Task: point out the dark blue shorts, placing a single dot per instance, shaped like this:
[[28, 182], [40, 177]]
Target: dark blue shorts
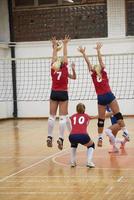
[[59, 95], [76, 139], [105, 99]]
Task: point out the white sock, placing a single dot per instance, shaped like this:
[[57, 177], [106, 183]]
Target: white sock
[[68, 124], [62, 126], [90, 151], [73, 154], [51, 122], [110, 135], [100, 135], [124, 130], [117, 140]]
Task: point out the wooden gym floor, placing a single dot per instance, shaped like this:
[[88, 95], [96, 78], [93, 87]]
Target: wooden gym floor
[[29, 170]]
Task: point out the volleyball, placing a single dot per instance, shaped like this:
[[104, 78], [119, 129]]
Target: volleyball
[[59, 46]]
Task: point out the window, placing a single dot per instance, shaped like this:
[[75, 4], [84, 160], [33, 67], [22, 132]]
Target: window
[[78, 21], [24, 2], [42, 2], [130, 17]]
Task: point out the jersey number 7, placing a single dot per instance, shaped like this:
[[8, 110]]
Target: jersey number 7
[[59, 75]]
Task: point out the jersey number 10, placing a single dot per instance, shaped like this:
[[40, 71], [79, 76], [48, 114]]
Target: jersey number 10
[[80, 120]]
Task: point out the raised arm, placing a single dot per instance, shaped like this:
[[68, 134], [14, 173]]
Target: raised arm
[[65, 42], [98, 47], [83, 52], [73, 75], [54, 49]]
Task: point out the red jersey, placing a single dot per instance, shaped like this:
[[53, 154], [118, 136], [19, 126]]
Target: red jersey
[[101, 84], [60, 78], [79, 123]]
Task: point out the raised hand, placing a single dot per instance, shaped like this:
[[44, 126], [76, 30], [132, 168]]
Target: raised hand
[[66, 39], [98, 46], [82, 49], [57, 45], [54, 41]]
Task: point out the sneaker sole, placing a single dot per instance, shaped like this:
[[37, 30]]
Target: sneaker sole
[[72, 166], [60, 146], [90, 166], [49, 144]]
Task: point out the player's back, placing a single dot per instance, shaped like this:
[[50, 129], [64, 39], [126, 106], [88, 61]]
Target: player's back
[[79, 123], [60, 78]]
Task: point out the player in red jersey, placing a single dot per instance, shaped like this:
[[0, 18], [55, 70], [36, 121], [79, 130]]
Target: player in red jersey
[[59, 90], [104, 94], [79, 135]]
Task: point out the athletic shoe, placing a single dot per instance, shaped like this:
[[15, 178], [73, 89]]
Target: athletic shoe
[[90, 165], [99, 144], [73, 164], [49, 141], [126, 136], [114, 150], [60, 143]]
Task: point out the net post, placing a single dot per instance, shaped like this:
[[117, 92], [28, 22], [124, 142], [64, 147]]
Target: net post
[[15, 109], [13, 63]]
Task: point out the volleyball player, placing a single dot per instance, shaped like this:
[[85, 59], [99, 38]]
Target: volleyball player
[[59, 90], [79, 135], [104, 93], [112, 131]]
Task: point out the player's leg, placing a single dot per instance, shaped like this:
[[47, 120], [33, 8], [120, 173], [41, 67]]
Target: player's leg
[[111, 132], [63, 114], [101, 119], [116, 111], [90, 150], [51, 121], [86, 141], [74, 144]]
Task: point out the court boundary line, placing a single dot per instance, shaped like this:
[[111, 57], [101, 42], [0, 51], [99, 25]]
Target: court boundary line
[[32, 165], [78, 166]]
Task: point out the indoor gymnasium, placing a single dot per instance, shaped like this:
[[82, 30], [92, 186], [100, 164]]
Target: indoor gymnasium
[[66, 99]]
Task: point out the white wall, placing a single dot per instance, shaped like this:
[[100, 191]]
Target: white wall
[[116, 43]]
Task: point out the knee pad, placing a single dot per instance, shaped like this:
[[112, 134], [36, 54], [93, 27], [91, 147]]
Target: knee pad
[[74, 145], [93, 146], [118, 116], [100, 122]]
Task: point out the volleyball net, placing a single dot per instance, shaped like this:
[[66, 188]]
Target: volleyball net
[[33, 79]]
